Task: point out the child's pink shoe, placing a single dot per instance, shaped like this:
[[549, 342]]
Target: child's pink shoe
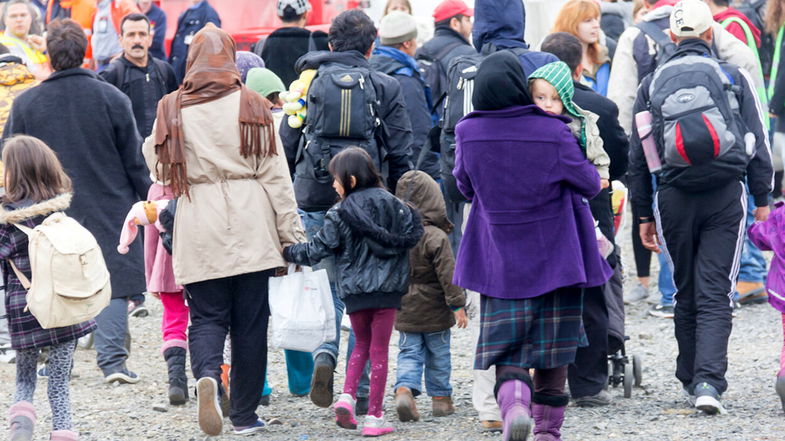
[[344, 412], [376, 426]]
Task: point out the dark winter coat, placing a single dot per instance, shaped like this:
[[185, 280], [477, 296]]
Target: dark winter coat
[[191, 21], [428, 305], [418, 101], [370, 233], [394, 116], [157, 19], [777, 102], [91, 127], [445, 46], [25, 330], [614, 140], [281, 50], [144, 86]]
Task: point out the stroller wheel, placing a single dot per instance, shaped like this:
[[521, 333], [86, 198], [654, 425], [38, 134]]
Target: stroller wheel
[[628, 380], [637, 370]]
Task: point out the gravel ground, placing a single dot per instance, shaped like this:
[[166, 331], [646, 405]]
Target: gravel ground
[[655, 412]]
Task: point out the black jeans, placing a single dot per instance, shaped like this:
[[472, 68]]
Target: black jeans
[[588, 375], [238, 305], [704, 234]]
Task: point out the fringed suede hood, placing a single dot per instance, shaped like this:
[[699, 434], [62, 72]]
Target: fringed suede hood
[[19, 211]]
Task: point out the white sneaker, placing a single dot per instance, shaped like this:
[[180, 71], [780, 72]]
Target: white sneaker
[[208, 408], [376, 426]]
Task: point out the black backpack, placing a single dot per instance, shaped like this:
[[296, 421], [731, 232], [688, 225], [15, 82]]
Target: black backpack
[[458, 103], [665, 46], [696, 121], [342, 112], [433, 70]]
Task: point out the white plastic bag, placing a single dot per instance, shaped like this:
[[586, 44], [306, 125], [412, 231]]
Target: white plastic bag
[[301, 309]]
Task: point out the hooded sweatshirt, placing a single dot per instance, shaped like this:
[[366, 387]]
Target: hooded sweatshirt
[[500, 24], [735, 28], [432, 297]]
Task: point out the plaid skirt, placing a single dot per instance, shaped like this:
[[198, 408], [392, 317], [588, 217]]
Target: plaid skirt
[[542, 332]]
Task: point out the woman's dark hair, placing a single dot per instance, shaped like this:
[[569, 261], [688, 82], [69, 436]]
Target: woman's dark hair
[[352, 30], [566, 47], [356, 162], [66, 44], [32, 170], [290, 15]]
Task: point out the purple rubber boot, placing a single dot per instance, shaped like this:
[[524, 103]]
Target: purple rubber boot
[[547, 422], [514, 400]]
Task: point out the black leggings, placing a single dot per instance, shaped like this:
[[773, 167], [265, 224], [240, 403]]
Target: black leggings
[[642, 255]]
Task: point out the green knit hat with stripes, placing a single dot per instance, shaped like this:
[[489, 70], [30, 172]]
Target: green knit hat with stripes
[[558, 74]]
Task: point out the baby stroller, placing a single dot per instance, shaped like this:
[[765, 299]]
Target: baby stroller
[[623, 369]]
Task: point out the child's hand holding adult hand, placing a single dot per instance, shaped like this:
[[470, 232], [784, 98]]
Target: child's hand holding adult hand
[[461, 320]]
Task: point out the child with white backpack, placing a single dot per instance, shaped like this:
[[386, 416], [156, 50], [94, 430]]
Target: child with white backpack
[[37, 187]]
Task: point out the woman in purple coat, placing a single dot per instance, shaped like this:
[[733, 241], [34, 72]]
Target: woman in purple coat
[[529, 246]]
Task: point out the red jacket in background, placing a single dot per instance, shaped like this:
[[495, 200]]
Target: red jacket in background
[[735, 28]]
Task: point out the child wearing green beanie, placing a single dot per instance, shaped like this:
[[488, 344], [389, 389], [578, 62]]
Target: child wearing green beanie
[[552, 90]]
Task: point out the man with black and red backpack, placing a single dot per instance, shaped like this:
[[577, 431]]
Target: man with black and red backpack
[[706, 135]]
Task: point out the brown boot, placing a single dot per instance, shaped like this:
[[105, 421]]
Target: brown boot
[[442, 406], [404, 404]]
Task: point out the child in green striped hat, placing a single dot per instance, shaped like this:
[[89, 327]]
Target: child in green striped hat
[[552, 91]]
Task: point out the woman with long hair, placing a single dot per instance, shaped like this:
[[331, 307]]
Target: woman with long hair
[[581, 18]]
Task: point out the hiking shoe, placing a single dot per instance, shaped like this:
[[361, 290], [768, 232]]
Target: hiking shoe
[[491, 425], [405, 406], [442, 406], [636, 294], [779, 386], [208, 408], [344, 412], [751, 293], [707, 399], [376, 426], [137, 309], [256, 427], [122, 376], [662, 311], [603, 398], [322, 380], [361, 406]]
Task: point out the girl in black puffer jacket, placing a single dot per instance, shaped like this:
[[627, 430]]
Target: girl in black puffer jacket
[[370, 232]]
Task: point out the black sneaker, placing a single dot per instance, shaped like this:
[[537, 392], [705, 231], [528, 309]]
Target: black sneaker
[[322, 380], [707, 399], [662, 311], [137, 309]]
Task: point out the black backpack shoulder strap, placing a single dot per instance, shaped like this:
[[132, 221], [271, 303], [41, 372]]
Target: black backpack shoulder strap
[[654, 32]]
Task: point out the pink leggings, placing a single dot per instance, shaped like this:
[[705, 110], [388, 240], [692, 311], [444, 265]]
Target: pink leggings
[[372, 330], [175, 320]]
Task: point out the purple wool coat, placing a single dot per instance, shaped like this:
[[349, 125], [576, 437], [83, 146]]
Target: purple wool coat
[[770, 236], [530, 230]]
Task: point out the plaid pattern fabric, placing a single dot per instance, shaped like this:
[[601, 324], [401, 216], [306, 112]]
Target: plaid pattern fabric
[[538, 333], [26, 332]]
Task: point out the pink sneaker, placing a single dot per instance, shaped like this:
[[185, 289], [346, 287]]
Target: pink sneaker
[[344, 412], [376, 426]]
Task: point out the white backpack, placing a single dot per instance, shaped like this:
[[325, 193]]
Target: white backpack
[[70, 281]]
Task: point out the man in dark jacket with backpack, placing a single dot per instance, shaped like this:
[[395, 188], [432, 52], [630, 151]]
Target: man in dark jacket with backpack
[[144, 79], [708, 132], [398, 37], [451, 39], [349, 104]]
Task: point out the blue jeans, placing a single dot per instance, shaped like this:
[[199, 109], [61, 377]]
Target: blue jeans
[[313, 222], [753, 264], [665, 280], [299, 369], [428, 350]]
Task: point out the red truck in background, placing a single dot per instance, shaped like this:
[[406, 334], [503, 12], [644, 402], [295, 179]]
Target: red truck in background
[[249, 20]]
